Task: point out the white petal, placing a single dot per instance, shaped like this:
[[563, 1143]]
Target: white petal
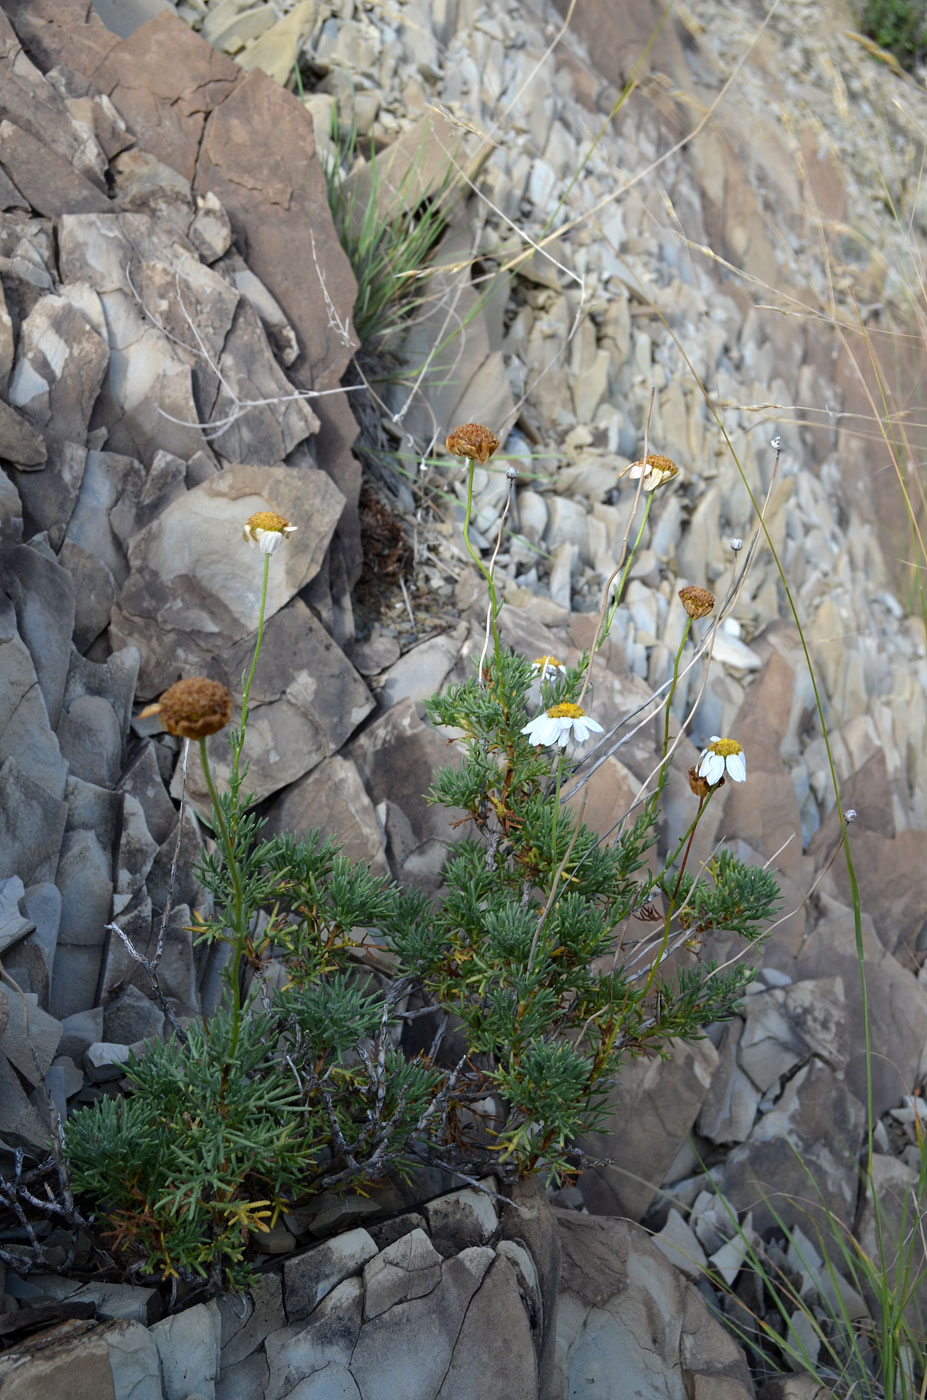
[[711, 767], [715, 739], [737, 767], [594, 725]]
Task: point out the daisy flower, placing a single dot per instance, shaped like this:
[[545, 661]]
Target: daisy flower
[[545, 666], [267, 530], [655, 469], [561, 723], [722, 757]]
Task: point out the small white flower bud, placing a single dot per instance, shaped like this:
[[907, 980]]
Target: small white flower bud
[[849, 815], [736, 544]]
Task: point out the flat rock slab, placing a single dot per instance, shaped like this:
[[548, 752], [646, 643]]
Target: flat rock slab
[[195, 585]]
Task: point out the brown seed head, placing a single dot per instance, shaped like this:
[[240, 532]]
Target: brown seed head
[[193, 708], [698, 602], [698, 785], [473, 441]]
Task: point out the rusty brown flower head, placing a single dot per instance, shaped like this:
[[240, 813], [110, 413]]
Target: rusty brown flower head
[[698, 602], [699, 786], [654, 468], [193, 708], [473, 441]]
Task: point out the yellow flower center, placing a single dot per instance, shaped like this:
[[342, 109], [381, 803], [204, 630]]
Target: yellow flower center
[[565, 711], [548, 661], [725, 747], [267, 520]]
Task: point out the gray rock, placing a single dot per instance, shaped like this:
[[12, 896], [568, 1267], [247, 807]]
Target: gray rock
[[91, 740], [85, 881], [189, 1348], [134, 1362], [25, 732], [142, 779], [408, 1268], [108, 480], [263, 1308], [44, 176], [245, 1380], [626, 1312], [132, 1017], [425, 1327], [495, 1340], [95, 592], [59, 369], [786, 1025], [48, 497], [113, 679], [461, 1219], [679, 1243], [74, 1365], [177, 969], [423, 670], [79, 1031], [195, 585], [19, 441], [63, 1080], [104, 1061], [327, 1338], [730, 1106], [32, 822], [306, 701], [21, 1123], [137, 852], [30, 1037], [311, 1276]]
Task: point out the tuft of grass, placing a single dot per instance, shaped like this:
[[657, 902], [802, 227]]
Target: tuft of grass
[[387, 233]]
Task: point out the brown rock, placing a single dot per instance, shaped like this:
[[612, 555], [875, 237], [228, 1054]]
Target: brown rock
[[800, 1159], [60, 32], [653, 1107], [46, 178], [71, 1359], [333, 799]]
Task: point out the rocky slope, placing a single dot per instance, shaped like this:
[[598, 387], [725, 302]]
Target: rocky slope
[[164, 373]]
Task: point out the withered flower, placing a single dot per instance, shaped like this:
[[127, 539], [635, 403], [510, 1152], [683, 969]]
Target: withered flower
[[193, 708], [654, 468], [700, 786], [698, 602], [473, 441]]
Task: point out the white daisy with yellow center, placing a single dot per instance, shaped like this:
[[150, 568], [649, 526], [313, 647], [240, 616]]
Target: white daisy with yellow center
[[267, 530], [560, 724], [545, 666], [722, 757]]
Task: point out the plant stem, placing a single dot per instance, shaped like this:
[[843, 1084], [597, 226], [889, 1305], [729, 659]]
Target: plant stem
[[493, 600], [671, 908], [239, 920]]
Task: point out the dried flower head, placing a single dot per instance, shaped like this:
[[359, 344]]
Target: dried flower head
[[699, 786], [561, 723], [267, 530], [473, 441], [698, 602], [654, 468], [721, 757], [193, 708]]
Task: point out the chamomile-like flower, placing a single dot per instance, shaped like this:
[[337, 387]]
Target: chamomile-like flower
[[654, 468], [545, 666], [561, 723], [722, 757], [267, 530]]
